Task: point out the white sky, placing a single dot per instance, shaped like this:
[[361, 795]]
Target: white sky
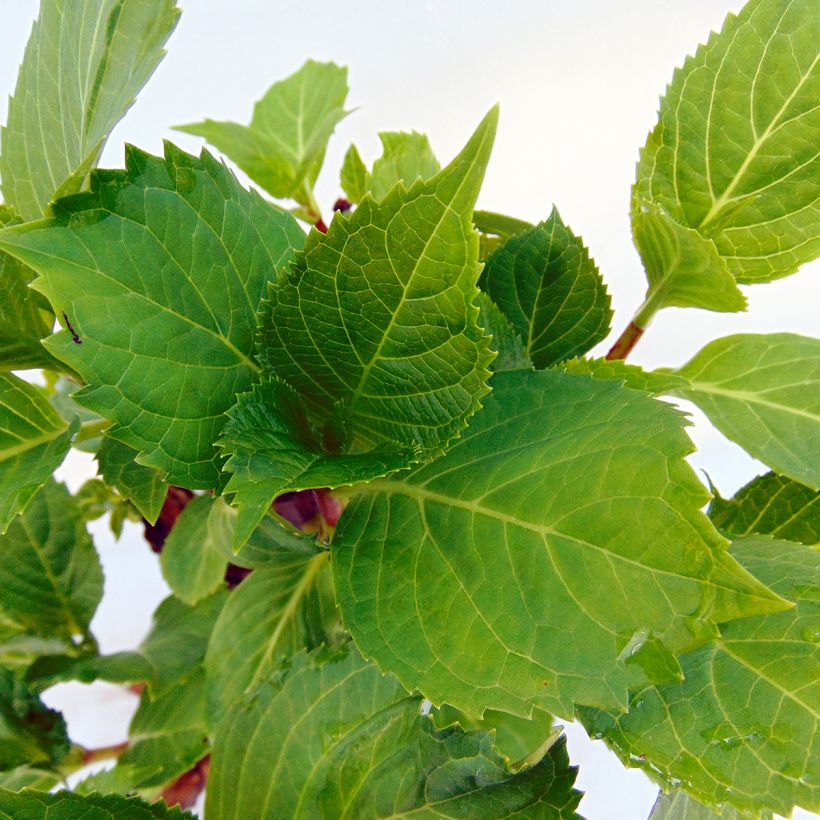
[[578, 84]]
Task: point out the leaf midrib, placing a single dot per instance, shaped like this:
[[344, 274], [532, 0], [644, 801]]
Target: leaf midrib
[[746, 397]]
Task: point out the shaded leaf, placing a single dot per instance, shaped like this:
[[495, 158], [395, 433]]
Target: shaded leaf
[[124, 780], [277, 611], [142, 486], [284, 146], [544, 281], [394, 305], [742, 728], [192, 564], [30, 733], [770, 505], [503, 574], [185, 327], [271, 449], [25, 777], [34, 805], [119, 667], [50, 575], [684, 268], [763, 392], [678, 805], [734, 154], [33, 442], [506, 343], [360, 748], [85, 62]]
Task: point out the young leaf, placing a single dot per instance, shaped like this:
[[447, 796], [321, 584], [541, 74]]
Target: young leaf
[[283, 148], [142, 486], [684, 268], [271, 450], [770, 505], [192, 564], [763, 392], [26, 777], [503, 574], [742, 728], [33, 443], [332, 737], [374, 325], [25, 316], [734, 154], [630, 375], [160, 269], [544, 281], [354, 175], [50, 575], [62, 804], [273, 614], [506, 342], [30, 733], [84, 64], [405, 157]]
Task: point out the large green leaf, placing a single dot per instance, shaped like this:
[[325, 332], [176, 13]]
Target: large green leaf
[[50, 575], [85, 62], [743, 726], [34, 805], [544, 281], [763, 392], [273, 614], [504, 574], [684, 269], [272, 449], [30, 733], [770, 505], [734, 154], [284, 146], [160, 269], [33, 442], [25, 316], [332, 737], [374, 324], [192, 564], [142, 486]]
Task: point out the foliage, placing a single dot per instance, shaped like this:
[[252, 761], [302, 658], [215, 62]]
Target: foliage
[[405, 520]]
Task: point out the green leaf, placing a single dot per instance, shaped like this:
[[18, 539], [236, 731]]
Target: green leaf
[[84, 64], [406, 157], [33, 442], [25, 777], [630, 375], [743, 726], [332, 737], [186, 330], [354, 175], [684, 268], [283, 148], [770, 505], [123, 780], [192, 564], [544, 281], [734, 154], [34, 805], [678, 805], [30, 733], [142, 486], [273, 614], [272, 450], [25, 316], [394, 305], [168, 735], [119, 667], [506, 342], [50, 575], [503, 574], [763, 392], [179, 637]]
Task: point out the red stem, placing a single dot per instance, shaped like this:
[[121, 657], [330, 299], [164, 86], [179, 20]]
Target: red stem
[[625, 343], [320, 225]]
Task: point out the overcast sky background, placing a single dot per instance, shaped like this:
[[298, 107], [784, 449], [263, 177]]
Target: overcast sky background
[[578, 82]]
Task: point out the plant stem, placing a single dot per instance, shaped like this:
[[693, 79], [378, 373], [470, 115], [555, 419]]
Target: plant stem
[[103, 753], [625, 343], [91, 429]]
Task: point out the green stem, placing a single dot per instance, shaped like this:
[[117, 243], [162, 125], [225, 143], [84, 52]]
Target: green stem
[[91, 430], [626, 342], [79, 757], [499, 224]]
